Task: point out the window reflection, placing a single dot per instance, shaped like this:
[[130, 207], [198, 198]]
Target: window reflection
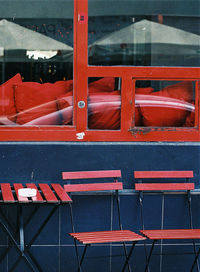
[[163, 36], [104, 103], [165, 104], [36, 70]]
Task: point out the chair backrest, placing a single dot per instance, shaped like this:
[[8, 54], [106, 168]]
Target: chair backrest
[[163, 187], [163, 174], [101, 186]]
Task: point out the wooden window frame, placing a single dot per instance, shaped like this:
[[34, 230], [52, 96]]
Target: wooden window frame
[[82, 71]]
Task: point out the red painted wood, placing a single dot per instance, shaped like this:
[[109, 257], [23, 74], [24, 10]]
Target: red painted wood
[[38, 197], [164, 186], [81, 78], [92, 174], [106, 236], [48, 193], [163, 174], [18, 186], [81, 73], [61, 134], [64, 197], [7, 194], [190, 73], [93, 187], [172, 234]]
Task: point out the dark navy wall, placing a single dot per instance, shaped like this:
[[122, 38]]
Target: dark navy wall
[[39, 162], [44, 162]]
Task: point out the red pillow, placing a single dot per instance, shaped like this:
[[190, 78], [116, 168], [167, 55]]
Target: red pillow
[[189, 122], [53, 118], [190, 119], [163, 111], [34, 100], [36, 112], [182, 91], [106, 84], [65, 106], [63, 87], [138, 116], [104, 111], [65, 100], [146, 90], [7, 99]]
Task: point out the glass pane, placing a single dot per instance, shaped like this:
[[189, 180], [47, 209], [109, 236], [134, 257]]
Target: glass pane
[[36, 63], [164, 104], [104, 103], [144, 33]]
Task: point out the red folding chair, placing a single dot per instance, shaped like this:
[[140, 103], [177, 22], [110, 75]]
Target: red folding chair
[[98, 237], [160, 234]]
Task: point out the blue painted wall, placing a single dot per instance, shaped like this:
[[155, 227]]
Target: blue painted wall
[[44, 162]]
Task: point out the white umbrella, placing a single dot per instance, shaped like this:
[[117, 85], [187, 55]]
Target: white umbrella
[[146, 37], [1, 52], [16, 37]]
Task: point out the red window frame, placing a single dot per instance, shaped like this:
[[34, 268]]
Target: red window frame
[[82, 71]]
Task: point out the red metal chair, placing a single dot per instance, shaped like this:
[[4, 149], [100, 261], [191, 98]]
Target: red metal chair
[[160, 234], [97, 237]]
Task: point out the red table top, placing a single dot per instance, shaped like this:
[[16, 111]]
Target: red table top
[[46, 193]]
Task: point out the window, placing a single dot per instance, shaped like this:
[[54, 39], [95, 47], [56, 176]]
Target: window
[[144, 33], [104, 103], [100, 70], [165, 103], [36, 64]]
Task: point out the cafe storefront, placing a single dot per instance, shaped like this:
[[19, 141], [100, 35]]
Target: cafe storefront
[[98, 85]]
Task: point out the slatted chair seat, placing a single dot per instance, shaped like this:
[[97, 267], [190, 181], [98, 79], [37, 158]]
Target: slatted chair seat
[[96, 237], [172, 234], [106, 236], [160, 234]]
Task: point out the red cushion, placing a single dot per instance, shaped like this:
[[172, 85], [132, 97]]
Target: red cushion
[[138, 116], [189, 122], [146, 90], [182, 90], [106, 84], [163, 111], [65, 106], [36, 112], [65, 101], [53, 118], [34, 100], [7, 101], [157, 110], [104, 111]]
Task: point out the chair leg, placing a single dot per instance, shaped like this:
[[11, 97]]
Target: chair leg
[[82, 258], [149, 257], [195, 252], [77, 255], [146, 256], [195, 260], [128, 257]]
